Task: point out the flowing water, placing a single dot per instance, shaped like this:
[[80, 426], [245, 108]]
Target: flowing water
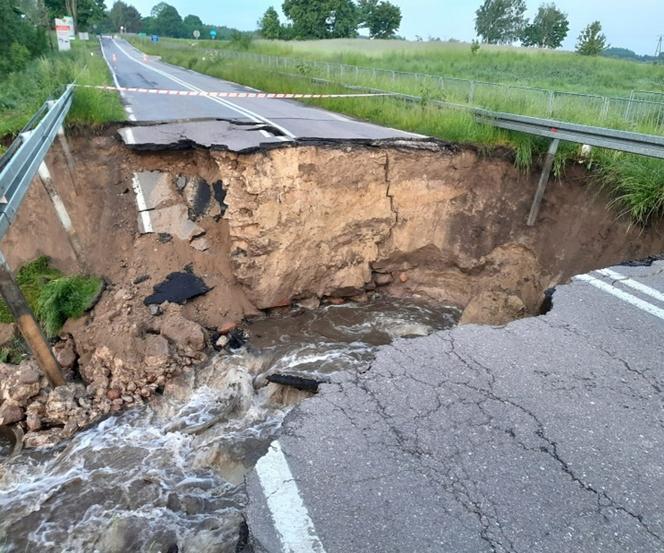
[[168, 476]]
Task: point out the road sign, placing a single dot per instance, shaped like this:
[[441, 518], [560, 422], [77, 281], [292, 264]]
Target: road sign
[[63, 31], [197, 33], [154, 38], [213, 34]]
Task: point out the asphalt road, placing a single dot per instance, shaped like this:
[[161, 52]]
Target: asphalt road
[[546, 435], [290, 119]]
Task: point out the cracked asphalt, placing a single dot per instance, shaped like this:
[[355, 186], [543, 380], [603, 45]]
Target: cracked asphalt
[[546, 435]]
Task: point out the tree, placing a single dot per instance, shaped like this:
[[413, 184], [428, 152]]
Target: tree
[[322, 18], [381, 18], [123, 15], [500, 21], [192, 23], [591, 41], [269, 24], [549, 28], [167, 20], [20, 40]]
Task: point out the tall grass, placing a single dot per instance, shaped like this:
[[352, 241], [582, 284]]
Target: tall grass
[[636, 182], [23, 92]]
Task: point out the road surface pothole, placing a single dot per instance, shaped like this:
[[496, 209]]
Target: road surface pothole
[[413, 235]]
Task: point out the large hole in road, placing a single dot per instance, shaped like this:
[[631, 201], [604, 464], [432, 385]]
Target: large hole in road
[[323, 251]]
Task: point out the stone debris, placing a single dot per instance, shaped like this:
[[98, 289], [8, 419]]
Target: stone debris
[[65, 353], [200, 243], [494, 308], [178, 288], [297, 382]]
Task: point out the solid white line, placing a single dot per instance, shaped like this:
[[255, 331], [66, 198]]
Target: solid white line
[[636, 285], [265, 133], [291, 518], [129, 135], [127, 107], [142, 206], [241, 110], [633, 300]]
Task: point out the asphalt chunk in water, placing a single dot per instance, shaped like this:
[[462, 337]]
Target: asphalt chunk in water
[[297, 382], [178, 288]]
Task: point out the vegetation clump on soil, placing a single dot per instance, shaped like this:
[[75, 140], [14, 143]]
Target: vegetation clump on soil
[[52, 296], [24, 91]]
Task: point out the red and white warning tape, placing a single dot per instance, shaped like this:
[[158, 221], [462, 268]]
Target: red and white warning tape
[[267, 95]]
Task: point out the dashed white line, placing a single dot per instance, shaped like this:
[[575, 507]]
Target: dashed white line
[[636, 285], [289, 514], [241, 110], [624, 296]]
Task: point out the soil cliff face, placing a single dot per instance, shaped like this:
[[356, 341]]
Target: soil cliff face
[[431, 220]]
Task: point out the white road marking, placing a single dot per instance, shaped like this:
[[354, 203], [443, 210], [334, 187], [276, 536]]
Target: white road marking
[[142, 206], [636, 285], [129, 136], [265, 133], [291, 518], [624, 296], [241, 110], [130, 113]]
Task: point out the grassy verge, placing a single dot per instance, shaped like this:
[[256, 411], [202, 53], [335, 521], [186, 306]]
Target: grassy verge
[[23, 92], [52, 296], [636, 182]]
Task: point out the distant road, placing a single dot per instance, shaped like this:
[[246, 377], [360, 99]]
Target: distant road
[[132, 68]]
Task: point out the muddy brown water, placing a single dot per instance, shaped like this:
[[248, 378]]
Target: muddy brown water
[[172, 472]]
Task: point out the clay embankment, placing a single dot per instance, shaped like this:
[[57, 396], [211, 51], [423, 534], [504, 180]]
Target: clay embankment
[[291, 225]]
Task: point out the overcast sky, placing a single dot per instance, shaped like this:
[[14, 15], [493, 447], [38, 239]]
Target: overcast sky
[[633, 24]]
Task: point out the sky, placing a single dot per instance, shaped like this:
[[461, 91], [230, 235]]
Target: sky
[[633, 24]]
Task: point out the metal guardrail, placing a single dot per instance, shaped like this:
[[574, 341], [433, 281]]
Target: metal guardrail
[[636, 143], [21, 161]]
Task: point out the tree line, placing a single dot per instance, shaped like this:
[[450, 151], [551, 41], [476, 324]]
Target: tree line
[[504, 22], [320, 19]]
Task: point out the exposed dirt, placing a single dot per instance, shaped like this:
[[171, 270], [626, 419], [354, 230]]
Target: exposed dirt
[[302, 224]]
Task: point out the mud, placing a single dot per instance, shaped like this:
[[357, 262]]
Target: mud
[[294, 225]]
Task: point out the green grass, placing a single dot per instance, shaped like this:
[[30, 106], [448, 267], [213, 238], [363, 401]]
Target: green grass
[[52, 296], [23, 92], [637, 183]]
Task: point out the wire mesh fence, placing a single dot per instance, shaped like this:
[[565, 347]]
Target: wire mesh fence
[[642, 111]]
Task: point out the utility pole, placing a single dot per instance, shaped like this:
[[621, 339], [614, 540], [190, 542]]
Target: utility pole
[[658, 50]]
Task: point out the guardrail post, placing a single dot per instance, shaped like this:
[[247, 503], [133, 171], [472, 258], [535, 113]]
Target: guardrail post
[[29, 328], [544, 179], [63, 215], [69, 159]]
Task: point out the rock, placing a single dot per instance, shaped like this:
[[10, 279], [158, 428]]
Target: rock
[[65, 353], [335, 301], [156, 350], [113, 394], [164, 237], [493, 308], [141, 279], [123, 295], [155, 310], [183, 332], [222, 342], [33, 420], [180, 183], [200, 243], [383, 279], [309, 303], [403, 278], [19, 383], [362, 298], [61, 404], [227, 326], [45, 438], [10, 412], [7, 333]]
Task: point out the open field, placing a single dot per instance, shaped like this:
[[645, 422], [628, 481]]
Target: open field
[[23, 92], [557, 70], [637, 183]]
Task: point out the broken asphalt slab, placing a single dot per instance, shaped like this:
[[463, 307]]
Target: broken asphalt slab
[[545, 435], [232, 136], [178, 288]]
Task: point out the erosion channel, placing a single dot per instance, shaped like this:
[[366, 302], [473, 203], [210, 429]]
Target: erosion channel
[[304, 258]]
